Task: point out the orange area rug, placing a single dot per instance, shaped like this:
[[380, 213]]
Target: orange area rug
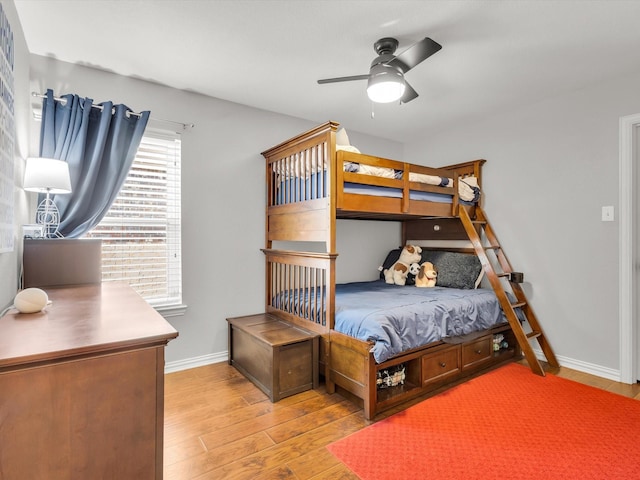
[[509, 423]]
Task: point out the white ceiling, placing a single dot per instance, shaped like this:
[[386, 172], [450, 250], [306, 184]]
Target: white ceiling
[[496, 56]]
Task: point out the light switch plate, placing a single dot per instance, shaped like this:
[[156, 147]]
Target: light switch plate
[[607, 214]]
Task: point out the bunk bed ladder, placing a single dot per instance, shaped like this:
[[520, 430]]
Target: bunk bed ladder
[[482, 244]]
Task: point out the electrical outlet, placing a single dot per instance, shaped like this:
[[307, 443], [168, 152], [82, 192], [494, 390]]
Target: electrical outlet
[[607, 214]]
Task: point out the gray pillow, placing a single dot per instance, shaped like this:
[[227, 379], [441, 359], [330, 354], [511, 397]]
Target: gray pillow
[[455, 269]]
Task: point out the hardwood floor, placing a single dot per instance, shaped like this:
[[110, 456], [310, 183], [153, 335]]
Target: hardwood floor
[[218, 425]]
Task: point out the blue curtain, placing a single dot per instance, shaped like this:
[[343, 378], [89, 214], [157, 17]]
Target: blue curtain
[[99, 146]]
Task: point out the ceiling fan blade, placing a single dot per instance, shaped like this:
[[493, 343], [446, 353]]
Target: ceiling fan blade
[[415, 54], [409, 93], [344, 79]]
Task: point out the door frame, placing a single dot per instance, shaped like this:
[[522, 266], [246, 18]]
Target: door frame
[[628, 258]]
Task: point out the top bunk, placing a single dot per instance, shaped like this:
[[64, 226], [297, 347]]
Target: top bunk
[[312, 180]]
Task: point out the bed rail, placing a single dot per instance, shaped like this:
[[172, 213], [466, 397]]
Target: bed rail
[[300, 288], [355, 205]]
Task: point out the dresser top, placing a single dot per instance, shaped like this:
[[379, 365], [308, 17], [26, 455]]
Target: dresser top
[[82, 320]]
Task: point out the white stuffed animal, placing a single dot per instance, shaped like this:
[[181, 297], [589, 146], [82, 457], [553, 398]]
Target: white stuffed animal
[[427, 275], [414, 268], [398, 272]]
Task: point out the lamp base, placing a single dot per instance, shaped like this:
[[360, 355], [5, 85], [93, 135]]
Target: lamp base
[[48, 216]]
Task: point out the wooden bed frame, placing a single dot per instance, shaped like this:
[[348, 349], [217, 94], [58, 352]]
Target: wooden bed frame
[[345, 361]]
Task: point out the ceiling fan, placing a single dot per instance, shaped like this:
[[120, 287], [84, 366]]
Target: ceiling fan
[[386, 82]]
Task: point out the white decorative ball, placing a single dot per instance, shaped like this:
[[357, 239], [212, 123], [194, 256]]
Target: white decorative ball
[[31, 300]]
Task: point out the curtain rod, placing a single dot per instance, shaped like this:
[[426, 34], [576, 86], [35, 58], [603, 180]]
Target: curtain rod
[[185, 126]]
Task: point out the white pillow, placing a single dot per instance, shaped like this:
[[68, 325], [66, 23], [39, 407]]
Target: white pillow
[[342, 142], [342, 138], [347, 148]]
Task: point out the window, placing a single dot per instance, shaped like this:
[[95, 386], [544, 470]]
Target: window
[[141, 232]]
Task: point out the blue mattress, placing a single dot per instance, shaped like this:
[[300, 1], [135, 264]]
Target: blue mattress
[[398, 318]]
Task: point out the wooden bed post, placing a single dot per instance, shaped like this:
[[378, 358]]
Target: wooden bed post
[[332, 168], [455, 204]]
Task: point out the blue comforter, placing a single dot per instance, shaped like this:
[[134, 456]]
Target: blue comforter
[[398, 318]]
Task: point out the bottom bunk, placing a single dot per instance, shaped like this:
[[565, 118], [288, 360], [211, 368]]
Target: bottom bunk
[[388, 343], [381, 386]]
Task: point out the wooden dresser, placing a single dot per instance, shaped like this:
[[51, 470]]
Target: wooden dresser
[[82, 387]]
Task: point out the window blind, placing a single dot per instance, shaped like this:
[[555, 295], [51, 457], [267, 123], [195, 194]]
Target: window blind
[[141, 242]]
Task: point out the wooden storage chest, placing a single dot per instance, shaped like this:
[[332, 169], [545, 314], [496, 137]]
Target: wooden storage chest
[[279, 358]]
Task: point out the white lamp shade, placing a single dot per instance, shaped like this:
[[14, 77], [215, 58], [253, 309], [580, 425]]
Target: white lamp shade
[[47, 175], [386, 84]]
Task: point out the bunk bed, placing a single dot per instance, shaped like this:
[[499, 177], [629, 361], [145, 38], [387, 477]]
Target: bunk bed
[[311, 181]]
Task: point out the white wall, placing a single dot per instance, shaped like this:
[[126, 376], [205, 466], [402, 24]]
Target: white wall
[[223, 225], [550, 168], [10, 261]]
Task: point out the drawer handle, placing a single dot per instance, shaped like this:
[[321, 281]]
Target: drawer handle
[[479, 351], [443, 364]]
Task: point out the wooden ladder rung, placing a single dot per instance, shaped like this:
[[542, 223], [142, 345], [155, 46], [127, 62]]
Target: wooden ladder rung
[[534, 334], [503, 274], [518, 304], [492, 247]]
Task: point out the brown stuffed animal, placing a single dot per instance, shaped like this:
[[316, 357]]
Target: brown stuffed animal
[[427, 275]]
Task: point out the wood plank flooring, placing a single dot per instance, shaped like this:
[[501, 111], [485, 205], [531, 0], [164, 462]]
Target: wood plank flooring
[[218, 425]]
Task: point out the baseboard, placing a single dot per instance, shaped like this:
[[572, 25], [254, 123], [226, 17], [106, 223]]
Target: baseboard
[[580, 366], [194, 362]]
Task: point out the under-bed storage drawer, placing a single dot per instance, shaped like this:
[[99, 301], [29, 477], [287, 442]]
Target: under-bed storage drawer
[[476, 353], [440, 365]]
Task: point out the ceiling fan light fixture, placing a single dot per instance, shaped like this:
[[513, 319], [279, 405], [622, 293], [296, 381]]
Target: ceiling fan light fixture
[[386, 84]]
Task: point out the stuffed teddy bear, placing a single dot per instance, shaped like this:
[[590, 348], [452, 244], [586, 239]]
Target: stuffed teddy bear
[[398, 272], [427, 275]]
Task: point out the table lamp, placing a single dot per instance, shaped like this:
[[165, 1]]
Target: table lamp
[[50, 176]]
